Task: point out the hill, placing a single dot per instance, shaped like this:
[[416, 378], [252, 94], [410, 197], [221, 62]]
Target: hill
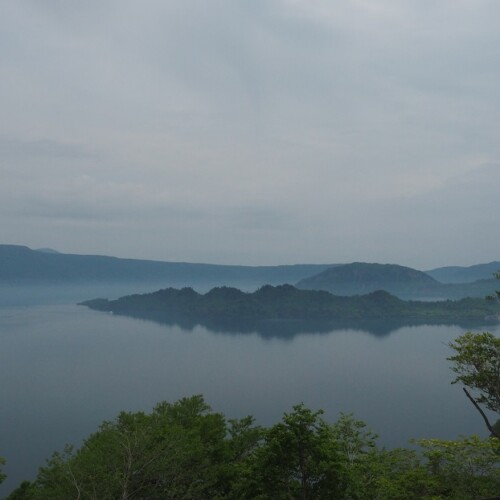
[[361, 278], [457, 274], [404, 282], [22, 265]]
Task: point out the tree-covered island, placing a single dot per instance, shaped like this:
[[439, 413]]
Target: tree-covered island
[[285, 302]]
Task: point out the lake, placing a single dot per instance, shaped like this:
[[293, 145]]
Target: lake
[[64, 369]]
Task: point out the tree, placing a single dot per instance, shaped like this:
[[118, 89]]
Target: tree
[[179, 450], [496, 295], [463, 469], [297, 460], [356, 450], [2, 475], [477, 365]]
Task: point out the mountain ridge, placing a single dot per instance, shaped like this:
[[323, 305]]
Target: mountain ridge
[[464, 274], [21, 265], [404, 282]]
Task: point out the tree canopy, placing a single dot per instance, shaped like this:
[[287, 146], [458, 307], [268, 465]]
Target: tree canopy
[[224, 304], [2, 475], [184, 450], [477, 365]]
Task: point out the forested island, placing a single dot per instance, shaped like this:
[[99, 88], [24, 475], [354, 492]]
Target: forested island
[[230, 306]]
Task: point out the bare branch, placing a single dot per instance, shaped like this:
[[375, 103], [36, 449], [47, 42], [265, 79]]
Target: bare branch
[[485, 418]]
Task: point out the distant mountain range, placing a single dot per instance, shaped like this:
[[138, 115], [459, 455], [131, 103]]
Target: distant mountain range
[[21, 265], [456, 274], [361, 278]]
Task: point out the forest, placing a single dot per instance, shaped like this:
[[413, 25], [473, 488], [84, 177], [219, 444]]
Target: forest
[[288, 302], [186, 450]]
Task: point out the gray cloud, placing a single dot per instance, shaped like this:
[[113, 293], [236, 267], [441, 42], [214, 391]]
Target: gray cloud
[[252, 132], [16, 149]]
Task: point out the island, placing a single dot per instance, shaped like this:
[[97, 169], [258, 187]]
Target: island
[[225, 308]]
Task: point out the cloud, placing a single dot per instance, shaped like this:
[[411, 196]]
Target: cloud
[[286, 130], [17, 150]]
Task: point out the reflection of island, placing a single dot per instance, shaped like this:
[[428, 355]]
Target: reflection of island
[[286, 311]]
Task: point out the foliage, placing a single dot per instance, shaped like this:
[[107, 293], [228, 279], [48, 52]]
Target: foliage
[[496, 295], [357, 455], [466, 468], [2, 475], [24, 491], [180, 450], [477, 365], [225, 304], [298, 459], [186, 451]]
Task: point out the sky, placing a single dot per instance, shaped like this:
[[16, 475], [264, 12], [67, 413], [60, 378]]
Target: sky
[[253, 132]]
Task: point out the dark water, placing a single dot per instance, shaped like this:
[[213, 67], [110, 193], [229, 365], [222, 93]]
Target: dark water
[[64, 369]]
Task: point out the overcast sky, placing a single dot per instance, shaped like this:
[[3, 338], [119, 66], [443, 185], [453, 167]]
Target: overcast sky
[[252, 131]]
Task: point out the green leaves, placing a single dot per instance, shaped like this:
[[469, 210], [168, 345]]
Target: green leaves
[[180, 450], [496, 296], [185, 450], [477, 365], [297, 459], [2, 475], [465, 468]]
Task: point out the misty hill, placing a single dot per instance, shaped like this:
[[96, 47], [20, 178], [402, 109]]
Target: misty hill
[[285, 302], [361, 278], [46, 250], [407, 283], [22, 265], [457, 274]]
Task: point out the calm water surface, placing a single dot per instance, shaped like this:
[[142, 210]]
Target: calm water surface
[[64, 369]]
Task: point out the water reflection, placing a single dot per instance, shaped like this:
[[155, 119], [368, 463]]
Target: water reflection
[[288, 329]]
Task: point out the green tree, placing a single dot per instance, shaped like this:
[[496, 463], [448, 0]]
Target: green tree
[[25, 491], [297, 460], [477, 365], [185, 451], [370, 473], [244, 439], [463, 469], [180, 450], [357, 454], [2, 475], [496, 295]]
